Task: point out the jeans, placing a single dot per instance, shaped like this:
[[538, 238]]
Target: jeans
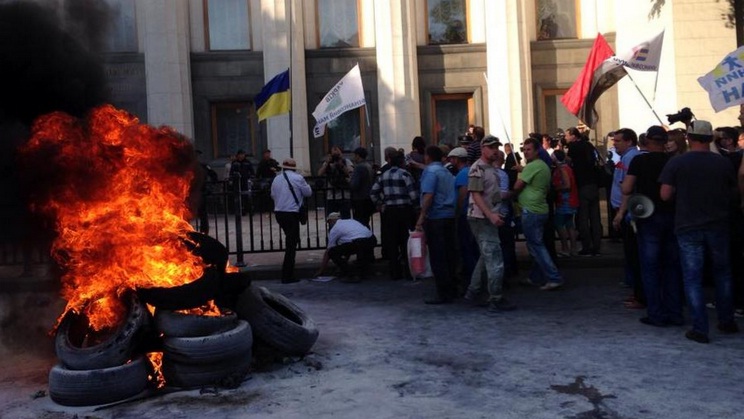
[[440, 239], [290, 225], [632, 265], [469, 253], [543, 270], [490, 262], [508, 247], [692, 247], [362, 210], [396, 222], [590, 224], [660, 268], [360, 247]]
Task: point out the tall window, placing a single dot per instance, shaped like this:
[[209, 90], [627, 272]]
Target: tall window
[[338, 23], [452, 113], [447, 22], [553, 114], [347, 131], [228, 25], [557, 19], [232, 129], [122, 28]]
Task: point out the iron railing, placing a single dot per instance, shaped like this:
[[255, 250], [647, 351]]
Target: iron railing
[[243, 220]]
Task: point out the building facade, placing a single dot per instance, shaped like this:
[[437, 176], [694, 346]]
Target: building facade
[[429, 67]]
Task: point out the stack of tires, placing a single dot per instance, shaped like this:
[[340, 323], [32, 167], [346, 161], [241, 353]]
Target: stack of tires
[[108, 371], [198, 350]]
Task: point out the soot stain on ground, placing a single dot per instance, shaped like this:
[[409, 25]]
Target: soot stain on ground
[[593, 395]]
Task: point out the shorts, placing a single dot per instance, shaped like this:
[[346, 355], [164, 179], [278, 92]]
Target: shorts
[[564, 221]]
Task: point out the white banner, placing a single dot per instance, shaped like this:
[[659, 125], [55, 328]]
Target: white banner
[[644, 56], [724, 83], [347, 94]]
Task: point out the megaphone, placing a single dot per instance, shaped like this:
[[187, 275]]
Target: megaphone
[[640, 206]]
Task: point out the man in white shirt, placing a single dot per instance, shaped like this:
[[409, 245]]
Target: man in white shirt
[[288, 191], [346, 238]]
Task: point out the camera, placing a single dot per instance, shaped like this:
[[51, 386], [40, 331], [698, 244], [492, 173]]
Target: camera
[[335, 158], [685, 115]]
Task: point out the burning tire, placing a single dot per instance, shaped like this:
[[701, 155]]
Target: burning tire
[[277, 321], [97, 386], [113, 351], [197, 292], [183, 297], [234, 343], [178, 325], [209, 249]]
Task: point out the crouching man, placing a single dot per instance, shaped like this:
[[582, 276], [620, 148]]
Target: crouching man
[[346, 238]]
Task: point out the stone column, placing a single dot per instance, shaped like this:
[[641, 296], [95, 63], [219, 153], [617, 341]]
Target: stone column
[[510, 107], [167, 64], [283, 20], [397, 74]]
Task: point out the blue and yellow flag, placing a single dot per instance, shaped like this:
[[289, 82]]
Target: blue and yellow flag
[[275, 98]]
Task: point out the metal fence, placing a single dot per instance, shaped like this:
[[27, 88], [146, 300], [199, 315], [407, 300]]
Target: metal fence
[[243, 220]]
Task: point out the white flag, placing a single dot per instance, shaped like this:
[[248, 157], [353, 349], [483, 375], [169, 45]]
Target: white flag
[[347, 94], [724, 83], [644, 56]]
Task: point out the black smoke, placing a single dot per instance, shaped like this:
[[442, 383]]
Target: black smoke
[[47, 59], [48, 62]]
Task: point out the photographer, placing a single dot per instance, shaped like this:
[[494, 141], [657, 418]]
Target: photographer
[[337, 170]]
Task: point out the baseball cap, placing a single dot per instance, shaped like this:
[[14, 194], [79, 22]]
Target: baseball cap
[[700, 129], [490, 140], [459, 152], [333, 216], [657, 133]]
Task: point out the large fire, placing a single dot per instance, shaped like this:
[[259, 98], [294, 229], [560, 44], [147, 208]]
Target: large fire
[[117, 190]]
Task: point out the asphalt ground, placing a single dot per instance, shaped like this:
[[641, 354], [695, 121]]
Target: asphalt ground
[[576, 352]]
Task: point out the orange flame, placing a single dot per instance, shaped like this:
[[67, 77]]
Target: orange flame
[[156, 361], [209, 309], [118, 195]]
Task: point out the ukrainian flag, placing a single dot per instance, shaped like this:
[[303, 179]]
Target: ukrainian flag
[[274, 99]]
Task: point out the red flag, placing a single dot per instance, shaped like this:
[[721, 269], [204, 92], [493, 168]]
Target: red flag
[[574, 98]]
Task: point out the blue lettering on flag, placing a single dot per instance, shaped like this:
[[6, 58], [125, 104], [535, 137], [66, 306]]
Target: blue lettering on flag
[[731, 62], [731, 95]]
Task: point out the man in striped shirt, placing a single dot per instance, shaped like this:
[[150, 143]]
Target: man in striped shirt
[[395, 195]]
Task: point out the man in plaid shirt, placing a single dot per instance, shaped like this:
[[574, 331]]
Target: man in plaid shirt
[[395, 195]]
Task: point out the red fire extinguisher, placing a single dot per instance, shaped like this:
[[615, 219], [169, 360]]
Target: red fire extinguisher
[[417, 252]]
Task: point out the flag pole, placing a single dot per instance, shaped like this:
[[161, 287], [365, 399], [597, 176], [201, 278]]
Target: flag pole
[[498, 111], [644, 98], [291, 91]]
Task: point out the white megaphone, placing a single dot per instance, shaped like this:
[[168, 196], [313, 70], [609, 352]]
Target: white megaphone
[[640, 206]]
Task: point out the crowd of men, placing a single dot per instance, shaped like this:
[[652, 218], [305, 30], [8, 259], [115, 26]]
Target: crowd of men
[[470, 201]]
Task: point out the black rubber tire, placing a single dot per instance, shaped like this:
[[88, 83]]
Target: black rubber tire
[[227, 373], [97, 386], [233, 343], [179, 325], [209, 249], [232, 285], [115, 350], [277, 321], [183, 297]]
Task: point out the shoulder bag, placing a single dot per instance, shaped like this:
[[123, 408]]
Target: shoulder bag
[[303, 207]]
